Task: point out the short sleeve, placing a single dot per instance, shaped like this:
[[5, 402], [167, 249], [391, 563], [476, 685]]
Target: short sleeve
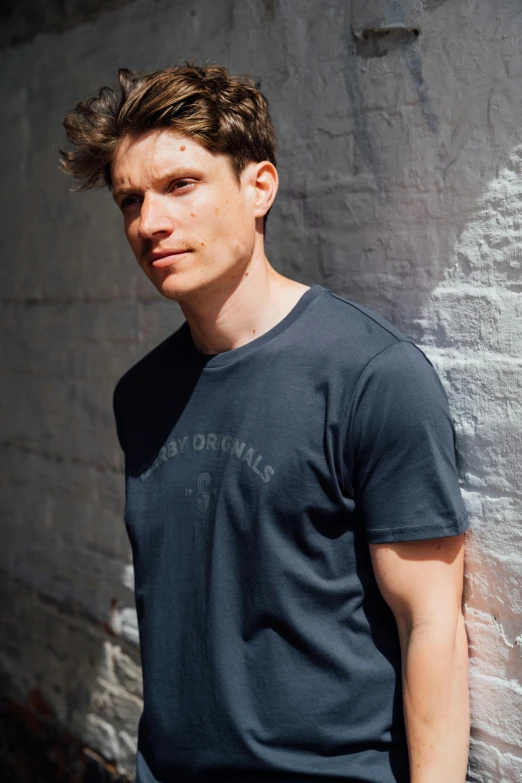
[[400, 443]]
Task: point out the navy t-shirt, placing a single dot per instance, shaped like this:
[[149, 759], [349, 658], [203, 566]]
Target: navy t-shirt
[[255, 479]]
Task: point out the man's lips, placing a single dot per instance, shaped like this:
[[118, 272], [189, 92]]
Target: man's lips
[[169, 257]]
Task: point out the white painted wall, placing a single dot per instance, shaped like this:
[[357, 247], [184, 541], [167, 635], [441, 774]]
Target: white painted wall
[[400, 188]]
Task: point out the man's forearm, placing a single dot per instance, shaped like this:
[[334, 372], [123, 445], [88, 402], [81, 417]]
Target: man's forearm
[[436, 703]]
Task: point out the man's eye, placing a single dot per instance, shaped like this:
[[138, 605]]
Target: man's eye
[[181, 184], [128, 201], [178, 184]]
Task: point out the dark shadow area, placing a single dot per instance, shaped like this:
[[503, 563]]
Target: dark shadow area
[[21, 20], [378, 43], [151, 404], [33, 749], [36, 744], [325, 228]]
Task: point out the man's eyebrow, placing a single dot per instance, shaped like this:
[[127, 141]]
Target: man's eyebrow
[[178, 173]]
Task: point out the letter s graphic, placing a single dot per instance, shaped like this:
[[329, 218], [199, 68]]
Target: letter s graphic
[[203, 493]]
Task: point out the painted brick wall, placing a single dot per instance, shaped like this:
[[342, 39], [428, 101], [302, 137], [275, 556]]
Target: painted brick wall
[[400, 160]]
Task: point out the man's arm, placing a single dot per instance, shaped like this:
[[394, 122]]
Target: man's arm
[[422, 583]]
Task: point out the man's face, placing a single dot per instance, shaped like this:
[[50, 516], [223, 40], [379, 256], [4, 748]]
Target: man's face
[[183, 202]]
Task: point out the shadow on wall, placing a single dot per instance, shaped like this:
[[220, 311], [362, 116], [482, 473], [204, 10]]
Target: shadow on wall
[[21, 20], [398, 152], [399, 162], [70, 692]]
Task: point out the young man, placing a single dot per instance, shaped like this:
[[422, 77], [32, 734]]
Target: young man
[[292, 500]]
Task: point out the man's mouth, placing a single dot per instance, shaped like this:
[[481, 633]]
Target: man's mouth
[[169, 257]]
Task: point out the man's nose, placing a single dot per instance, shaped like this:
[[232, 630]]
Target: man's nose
[[154, 216]]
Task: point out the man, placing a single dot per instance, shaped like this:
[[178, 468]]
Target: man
[[292, 500]]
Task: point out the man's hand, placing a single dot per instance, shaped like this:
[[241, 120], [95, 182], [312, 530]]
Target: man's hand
[[422, 583]]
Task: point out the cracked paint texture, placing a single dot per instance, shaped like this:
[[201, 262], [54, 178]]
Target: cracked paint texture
[[400, 166]]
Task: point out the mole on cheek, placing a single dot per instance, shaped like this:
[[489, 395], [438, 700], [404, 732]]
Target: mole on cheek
[[192, 214], [183, 148], [203, 244]]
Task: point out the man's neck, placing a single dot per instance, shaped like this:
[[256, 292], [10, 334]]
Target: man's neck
[[237, 314]]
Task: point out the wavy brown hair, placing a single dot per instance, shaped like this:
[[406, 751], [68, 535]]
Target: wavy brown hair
[[224, 113]]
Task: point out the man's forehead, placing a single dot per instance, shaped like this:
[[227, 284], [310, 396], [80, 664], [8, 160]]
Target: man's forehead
[[153, 155], [154, 148]]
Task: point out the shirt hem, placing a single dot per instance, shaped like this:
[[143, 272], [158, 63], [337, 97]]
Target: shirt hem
[[439, 529]]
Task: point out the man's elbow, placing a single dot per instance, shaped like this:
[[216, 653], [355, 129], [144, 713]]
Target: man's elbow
[[441, 629]]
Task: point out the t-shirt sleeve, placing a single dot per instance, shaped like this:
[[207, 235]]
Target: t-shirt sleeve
[[401, 445]]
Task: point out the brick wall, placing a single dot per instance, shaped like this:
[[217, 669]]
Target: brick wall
[[400, 163]]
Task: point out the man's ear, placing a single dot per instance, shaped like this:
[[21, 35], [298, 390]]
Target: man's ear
[[265, 182]]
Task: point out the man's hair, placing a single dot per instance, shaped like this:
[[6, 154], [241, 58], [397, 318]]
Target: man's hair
[[226, 114]]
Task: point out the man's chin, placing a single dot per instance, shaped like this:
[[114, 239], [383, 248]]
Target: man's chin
[[175, 286], [169, 289]]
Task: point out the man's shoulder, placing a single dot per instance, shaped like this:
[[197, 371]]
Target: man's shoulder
[[358, 315], [361, 346], [354, 332]]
